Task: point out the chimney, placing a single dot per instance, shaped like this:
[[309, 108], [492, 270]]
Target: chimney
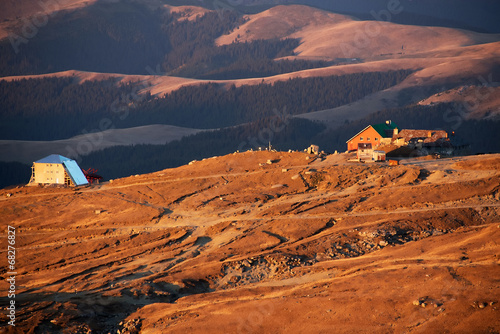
[[429, 134]]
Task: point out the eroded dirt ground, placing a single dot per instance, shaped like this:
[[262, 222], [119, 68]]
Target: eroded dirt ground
[[262, 242]]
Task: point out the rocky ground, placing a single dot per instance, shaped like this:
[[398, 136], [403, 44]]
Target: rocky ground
[[261, 242]]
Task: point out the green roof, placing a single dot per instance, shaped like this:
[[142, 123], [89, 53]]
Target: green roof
[[384, 129]]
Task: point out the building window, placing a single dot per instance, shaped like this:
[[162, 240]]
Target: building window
[[360, 138], [368, 138], [376, 138]]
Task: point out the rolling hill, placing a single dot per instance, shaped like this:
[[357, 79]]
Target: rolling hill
[[438, 53], [26, 151], [334, 36]]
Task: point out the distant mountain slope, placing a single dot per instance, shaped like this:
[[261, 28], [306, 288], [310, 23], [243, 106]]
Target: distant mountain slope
[[12, 9], [467, 96], [331, 36], [153, 84], [132, 38], [54, 108], [104, 37], [26, 151], [480, 15], [15, 13]]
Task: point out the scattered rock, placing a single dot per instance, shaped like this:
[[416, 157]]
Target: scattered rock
[[129, 327], [82, 329], [422, 302], [313, 149], [284, 170], [475, 305], [295, 177]]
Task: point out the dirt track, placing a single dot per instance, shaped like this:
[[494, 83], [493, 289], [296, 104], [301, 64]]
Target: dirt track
[[234, 244]]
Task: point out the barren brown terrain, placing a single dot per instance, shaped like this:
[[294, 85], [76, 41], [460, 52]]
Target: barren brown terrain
[[262, 242]]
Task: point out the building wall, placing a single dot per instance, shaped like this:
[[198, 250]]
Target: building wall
[[364, 154], [367, 136], [49, 173], [379, 156]]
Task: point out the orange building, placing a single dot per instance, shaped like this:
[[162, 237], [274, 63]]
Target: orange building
[[375, 135]]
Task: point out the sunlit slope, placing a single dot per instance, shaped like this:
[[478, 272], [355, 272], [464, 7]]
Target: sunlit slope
[[263, 242], [333, 36]]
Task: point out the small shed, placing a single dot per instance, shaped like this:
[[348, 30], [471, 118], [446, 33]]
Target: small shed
[[364, 152], [56, 169], [378, 156]]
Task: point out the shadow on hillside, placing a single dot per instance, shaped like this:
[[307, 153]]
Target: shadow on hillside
[[94, 312]]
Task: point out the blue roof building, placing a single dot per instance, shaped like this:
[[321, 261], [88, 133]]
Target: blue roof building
[[56, 169]]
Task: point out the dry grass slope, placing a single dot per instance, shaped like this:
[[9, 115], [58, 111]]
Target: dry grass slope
[[330, 36], [235, 244]]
